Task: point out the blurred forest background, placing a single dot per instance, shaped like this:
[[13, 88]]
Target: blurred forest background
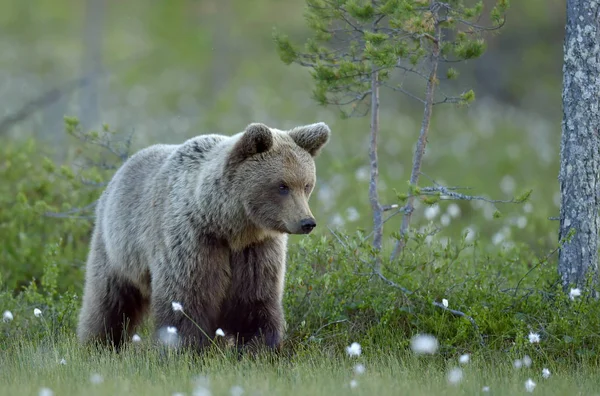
[[168, 70]]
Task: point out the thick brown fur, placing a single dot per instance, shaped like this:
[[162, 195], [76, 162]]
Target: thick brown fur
[[204, 224]]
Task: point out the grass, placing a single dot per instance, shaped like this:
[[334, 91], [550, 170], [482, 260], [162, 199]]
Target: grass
[[27, 366]]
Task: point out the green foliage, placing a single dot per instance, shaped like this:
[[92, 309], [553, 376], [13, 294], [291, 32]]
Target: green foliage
[[33, 185], [333, 298], [411, 32], [58, 306]]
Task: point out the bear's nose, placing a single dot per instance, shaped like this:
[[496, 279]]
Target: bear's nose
[[307, 225]]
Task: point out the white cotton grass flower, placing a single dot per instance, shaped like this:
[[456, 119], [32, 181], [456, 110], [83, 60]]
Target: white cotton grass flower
[[168, 335], [455, 375], [518, 364], [445, 302], [7, 316], [63, 361], [422, 344], [485, 389], [534, 338], [545, 373], [201, 381], [45, 392], [220, 332], [354, 349], [96, 379], [527, 361], [574, 293], [201, 391], [529, 385], [464, 359], [136, 338], [431, 212], [453, 210], [353, 384], [359, 369], [177, 306], [236, 390], [445, 220], [37, 312]]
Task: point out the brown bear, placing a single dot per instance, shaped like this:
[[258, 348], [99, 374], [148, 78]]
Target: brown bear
[[203, 224]]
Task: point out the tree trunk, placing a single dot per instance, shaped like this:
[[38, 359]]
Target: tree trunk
[[422, 142], [373, 193], [579, 151]]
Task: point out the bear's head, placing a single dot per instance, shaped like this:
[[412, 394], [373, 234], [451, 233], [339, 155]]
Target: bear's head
[[274, 173]]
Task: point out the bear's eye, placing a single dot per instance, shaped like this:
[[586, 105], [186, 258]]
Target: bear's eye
[[284, 189]]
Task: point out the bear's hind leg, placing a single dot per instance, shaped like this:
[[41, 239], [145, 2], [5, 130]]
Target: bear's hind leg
[[112, 305]]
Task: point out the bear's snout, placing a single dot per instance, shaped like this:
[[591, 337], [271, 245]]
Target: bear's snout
[[307, 225]]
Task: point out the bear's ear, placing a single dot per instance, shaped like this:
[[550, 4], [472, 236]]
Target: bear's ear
[[257, 138], [311, 137]]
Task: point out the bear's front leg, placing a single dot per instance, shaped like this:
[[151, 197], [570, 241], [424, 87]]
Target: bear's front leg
[[196, 279], [253, 311]]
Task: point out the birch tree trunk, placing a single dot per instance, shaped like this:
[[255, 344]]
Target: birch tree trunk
[[579, 151]]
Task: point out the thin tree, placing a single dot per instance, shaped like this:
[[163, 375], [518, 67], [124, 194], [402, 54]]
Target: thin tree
[[361, 45], [580, 145]]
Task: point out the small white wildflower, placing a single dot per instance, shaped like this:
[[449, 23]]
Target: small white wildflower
[[529, 385], [431, 212], [354, 349], [46, 392], [455, 375], [353, 384], [96, 379], [574, 293], [201, 391], [424, 344], [527, 361], [485, 389], [7, 316], [545, 373], [464, 359], [534, 338], [359, 369], [445, 220], [236, 390], [177, 306], [178, 394], [136, 338], [220, 332], [521, 222], [517, 364], [37, 312], [445, 302], [352, 214], [63, 361], [168, 336], [453, 210]]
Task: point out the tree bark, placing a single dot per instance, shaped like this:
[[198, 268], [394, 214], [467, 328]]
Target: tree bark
[[373, 193], [422, 142], [579, 151]]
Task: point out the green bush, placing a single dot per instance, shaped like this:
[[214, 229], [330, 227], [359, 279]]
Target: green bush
[[31, 186]]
